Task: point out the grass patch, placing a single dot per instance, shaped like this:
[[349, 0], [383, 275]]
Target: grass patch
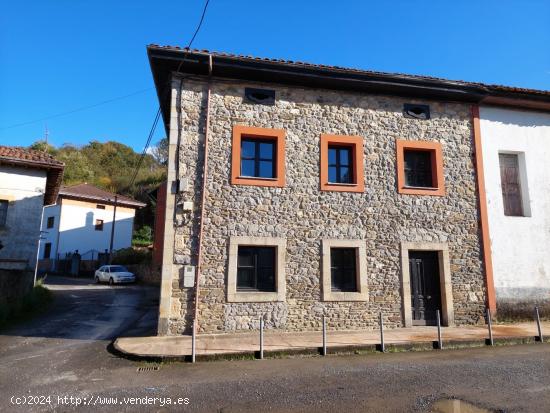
[[515, 311], [33, 303]]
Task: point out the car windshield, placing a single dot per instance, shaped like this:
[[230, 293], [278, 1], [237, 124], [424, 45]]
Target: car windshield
[[118, 268]]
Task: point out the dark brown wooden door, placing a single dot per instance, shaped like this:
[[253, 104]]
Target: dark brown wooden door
[[511, 189], [425, 288]]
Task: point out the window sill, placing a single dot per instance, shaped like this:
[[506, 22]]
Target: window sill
[[259, 178], [253, 181], [254, 297], [421, 190], [345, 296], [332, 186]]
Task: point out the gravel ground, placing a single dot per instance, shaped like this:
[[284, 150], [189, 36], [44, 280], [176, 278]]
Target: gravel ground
[[65, 353]]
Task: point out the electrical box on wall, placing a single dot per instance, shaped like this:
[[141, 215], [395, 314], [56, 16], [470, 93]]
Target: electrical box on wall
[[188, 276]]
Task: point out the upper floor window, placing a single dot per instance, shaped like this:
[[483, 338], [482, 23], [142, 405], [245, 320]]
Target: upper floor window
[[3, 212], [511, 183], [340, 168], [50, 223], [419, 168], [258, 156], [99, 225], [342, 163], [98, 206]]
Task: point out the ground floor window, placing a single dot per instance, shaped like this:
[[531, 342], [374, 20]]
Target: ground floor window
[[343, 269], [256, 269], [47, 250]]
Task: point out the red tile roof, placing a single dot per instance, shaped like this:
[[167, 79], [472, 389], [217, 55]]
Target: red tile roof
[[89, 192], [353, 70], [29, 157]]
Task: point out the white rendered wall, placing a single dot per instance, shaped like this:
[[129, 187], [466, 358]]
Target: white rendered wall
[[24, 189], [77, 228], [520, 246]]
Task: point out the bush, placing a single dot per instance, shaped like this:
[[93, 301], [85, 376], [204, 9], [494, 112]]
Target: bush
[[143, 236], [31, 304], [129, 256]]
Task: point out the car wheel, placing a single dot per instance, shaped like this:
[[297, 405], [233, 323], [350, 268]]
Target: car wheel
[[111, 281], [97, 280]]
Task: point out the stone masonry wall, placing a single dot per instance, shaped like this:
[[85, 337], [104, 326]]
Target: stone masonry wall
[[304, 215]]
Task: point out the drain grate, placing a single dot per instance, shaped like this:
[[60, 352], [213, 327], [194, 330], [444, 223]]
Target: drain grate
[[148, 368]]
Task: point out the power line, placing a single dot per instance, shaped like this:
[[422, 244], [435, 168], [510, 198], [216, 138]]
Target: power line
[[104, 102], [157, 117]]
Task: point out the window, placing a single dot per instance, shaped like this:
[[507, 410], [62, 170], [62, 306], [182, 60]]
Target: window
[[340, 169], [343, 270], [342, 163], [420, 168], [99, 225], [50, 223], [259, 96], [511, 185], [47, 250], [3, 212], [256, 270], [100, 206], [258, 156], [411, 110]]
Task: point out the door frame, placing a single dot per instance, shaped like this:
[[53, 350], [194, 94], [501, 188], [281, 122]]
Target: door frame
[[447, 307]]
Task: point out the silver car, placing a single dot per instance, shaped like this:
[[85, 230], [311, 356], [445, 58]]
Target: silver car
[[114, 274]]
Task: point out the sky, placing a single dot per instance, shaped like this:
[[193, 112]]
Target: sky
[[57, 56]]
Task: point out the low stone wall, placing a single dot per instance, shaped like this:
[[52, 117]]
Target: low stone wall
[[14, 284], [146, 273]]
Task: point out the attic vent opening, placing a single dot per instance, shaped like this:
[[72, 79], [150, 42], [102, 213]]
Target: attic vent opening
[[259, 96], [416, 111]]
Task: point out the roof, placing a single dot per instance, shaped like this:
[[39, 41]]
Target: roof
[[165, 60], [87, 192], [29, 158]]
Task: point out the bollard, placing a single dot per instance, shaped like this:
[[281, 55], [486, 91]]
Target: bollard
[[381, 322], [324, 336], [439, 341], [261, 338], [537, 317], [193, 341], [490, 325]]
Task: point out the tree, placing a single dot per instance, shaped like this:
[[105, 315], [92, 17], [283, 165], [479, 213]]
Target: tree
[[160, 151]]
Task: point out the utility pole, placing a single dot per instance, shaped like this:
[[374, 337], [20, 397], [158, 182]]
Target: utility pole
[[113, 232]]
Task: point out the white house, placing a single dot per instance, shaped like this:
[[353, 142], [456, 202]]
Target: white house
[[28, 181], [82, 221], [516, 152]]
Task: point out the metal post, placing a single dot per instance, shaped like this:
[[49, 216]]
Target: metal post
[[537, 317], [113, 232], [439, 341], [382, 344], [193, 341], [324, 336], [261, 338], [490, 324]]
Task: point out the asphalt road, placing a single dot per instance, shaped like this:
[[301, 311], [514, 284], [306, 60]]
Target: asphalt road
[[64, 353]]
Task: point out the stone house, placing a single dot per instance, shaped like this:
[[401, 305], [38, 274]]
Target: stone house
[[298, 190], [29, 180]]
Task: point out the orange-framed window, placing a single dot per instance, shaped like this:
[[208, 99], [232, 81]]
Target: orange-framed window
[[420, 168], [258, 156], [342, 163]]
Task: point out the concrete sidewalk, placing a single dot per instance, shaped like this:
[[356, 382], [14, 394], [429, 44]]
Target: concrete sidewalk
[[209, 345]]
